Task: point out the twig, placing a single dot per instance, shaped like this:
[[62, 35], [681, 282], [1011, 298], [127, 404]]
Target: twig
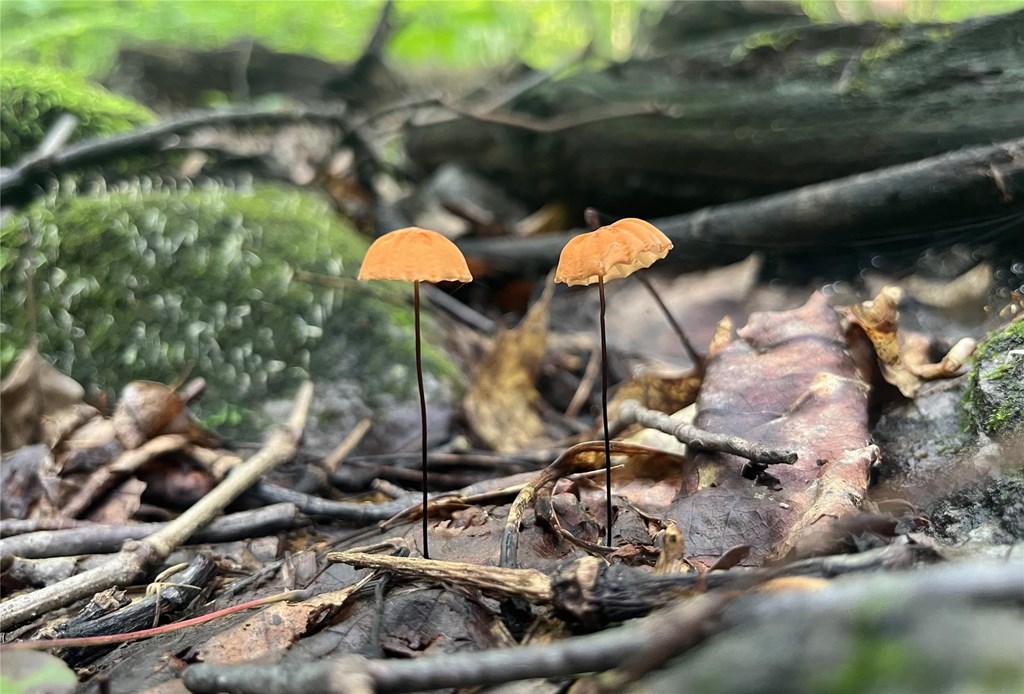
[[632, 412], [136, 559], [582, 394], [124, 465], [529, 584], [57, 136], [698, 362], [108, 639], [559, 468], [154, 139], [460, 311], [98, 539], [348, 444], [10, 527], [359, 513]]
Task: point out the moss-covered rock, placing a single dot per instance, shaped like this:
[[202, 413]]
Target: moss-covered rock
[[149, 281], [34, 96], [994, 400]]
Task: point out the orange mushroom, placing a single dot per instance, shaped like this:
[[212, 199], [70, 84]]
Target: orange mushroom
[[610, 252], [416, 255]]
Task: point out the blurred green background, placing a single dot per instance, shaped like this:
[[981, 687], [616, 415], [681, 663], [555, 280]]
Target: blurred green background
[[84, 35]]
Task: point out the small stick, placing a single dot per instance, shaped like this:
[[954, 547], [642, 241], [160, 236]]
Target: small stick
[[698, 363], [586, 387], [528, 584], [344, 448], [632, 412], [125, 464], [98, 539]]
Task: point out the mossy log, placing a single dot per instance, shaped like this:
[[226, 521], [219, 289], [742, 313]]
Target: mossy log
[[35, 96]]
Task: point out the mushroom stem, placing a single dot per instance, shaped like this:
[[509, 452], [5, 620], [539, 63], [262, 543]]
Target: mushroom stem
[[423, 410], [604, 417]]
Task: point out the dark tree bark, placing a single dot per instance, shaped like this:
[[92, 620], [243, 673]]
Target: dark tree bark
[[750, 105]]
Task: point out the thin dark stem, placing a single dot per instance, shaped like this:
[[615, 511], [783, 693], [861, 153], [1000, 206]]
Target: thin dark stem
[[423, 412], [604, 416], [698, 363]]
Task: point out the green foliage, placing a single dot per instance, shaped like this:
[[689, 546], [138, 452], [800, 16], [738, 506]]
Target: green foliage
[[85, 35], [35, 96], [146, 281]]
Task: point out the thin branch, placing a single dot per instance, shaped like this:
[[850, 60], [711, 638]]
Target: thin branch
[[35, 168], [348, 444], [98, 539], [107, 477], [632, 412]]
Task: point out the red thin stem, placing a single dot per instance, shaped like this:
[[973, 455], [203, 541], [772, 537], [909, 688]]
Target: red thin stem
[[423, 413], [604, 416], [108, 639]]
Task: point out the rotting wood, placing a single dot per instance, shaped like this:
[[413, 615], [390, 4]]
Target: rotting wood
[[169, 600]]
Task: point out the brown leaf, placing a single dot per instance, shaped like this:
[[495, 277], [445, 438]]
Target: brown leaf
[[146, 410], [120, 504], [787, 381], [501, 405], [656, 390], [35, 398], [271, 631]]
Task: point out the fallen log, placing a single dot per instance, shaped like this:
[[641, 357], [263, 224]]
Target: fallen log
[[757, 103], [937, 200]]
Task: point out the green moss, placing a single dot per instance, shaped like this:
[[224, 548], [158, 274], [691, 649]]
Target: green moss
[[993, 402], [876, 659], [776, 40], [826, 58], [883, 51], [147, 281], [35, 96]]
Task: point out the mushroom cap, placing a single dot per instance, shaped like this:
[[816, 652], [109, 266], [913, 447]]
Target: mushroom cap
[[415, 255], [613, 251]]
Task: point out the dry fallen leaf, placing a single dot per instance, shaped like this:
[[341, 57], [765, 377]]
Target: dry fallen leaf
[[36, 398], [902, 356], [501, 403], [785, 380]]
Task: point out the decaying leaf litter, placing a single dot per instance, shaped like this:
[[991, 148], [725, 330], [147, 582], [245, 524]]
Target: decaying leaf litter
[[751, 491], [786, 382]]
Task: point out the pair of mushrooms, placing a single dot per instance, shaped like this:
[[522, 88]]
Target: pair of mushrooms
[[609, 252]]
